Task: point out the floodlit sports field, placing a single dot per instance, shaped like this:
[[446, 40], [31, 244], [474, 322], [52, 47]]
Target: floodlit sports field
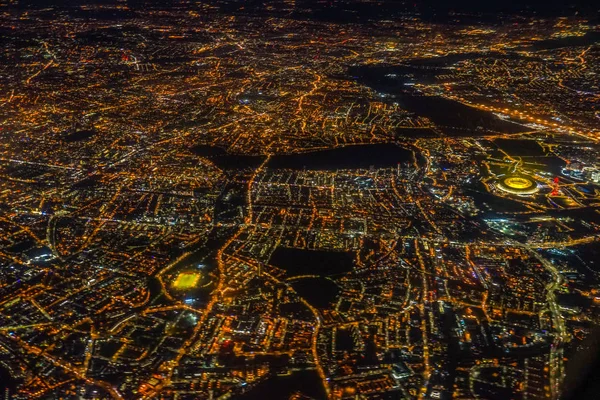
[[186, 280]]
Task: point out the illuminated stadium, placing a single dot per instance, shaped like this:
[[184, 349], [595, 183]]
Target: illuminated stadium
[[520, 185]]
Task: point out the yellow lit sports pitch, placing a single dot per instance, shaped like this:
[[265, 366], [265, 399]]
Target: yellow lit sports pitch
[[186, 280]]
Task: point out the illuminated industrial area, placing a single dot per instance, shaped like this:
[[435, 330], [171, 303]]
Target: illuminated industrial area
[[296, 200]]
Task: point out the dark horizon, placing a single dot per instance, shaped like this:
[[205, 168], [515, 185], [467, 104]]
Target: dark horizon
[[426, 7]]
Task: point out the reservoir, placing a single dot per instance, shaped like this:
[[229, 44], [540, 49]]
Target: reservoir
[[379, 155], [312, 262]]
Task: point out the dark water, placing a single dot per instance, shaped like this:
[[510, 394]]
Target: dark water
[[588, 39], [454, 118], [318, 292], [224, 160], [414, 133], [392, 79], [79, 136], [311, 262], [306, 382], [348, 157], [389, 78], [233, 161], [205, 150]]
